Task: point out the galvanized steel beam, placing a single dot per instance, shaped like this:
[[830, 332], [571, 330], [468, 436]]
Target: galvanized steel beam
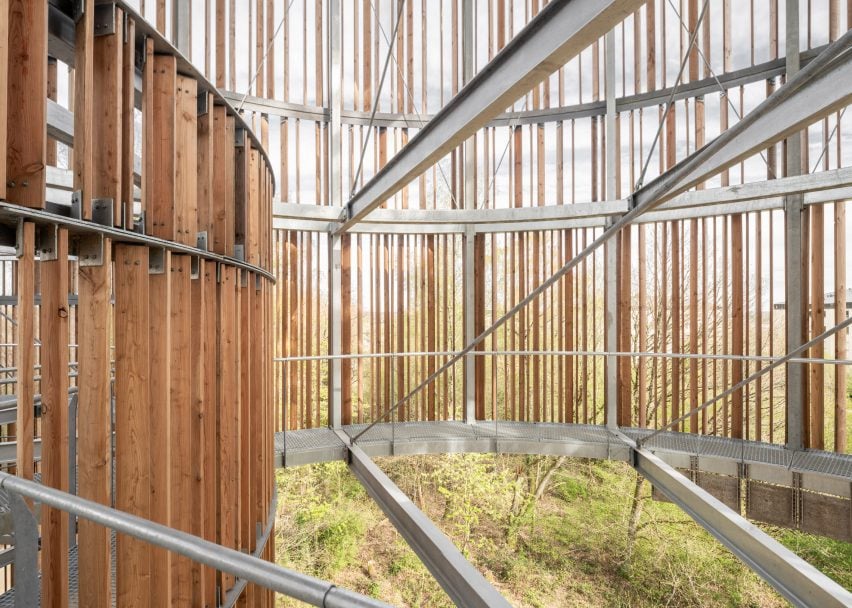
[[559, 32], [462, 582]]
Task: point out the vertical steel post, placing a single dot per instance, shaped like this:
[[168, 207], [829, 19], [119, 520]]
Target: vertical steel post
[[793, 286], [611, 247], [182, 27], [335, 308], [470, 302], [27, 586]]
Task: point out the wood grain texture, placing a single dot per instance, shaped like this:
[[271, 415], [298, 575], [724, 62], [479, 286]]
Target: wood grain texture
[[132, 420], [94, 429], [25, 353], [180, 420], [106, 102], [26, 140], [160, 155], [53, 324], [159, 380]]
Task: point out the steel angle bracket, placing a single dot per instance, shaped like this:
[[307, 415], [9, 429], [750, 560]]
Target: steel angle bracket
[[47, 242], [90, 249]]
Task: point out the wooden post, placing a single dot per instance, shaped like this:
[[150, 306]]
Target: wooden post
[[180, 419], [24, 336], [106, 102], [54, 312], [94, 429], [160, 154], [26, 139], [159, 332], [132, 420]]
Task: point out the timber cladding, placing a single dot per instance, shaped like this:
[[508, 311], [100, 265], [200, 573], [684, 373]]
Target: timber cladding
[[172, 396]]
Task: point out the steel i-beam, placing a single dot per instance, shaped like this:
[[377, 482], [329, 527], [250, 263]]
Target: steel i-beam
[[559, 32], [463, 583], [790, 575]]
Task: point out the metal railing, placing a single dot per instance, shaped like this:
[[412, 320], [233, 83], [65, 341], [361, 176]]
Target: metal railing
[[252, 569]]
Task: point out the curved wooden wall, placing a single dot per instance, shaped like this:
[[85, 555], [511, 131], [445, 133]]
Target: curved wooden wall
[[158, 276]]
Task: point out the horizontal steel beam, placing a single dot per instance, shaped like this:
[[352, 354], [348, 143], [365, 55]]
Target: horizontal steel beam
[[697, 88], [809, 95], [559, 32], [462, 582], [789, 574], [821, 187]]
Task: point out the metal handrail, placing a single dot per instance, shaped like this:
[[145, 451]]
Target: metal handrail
[[294, 584], [571, 353]]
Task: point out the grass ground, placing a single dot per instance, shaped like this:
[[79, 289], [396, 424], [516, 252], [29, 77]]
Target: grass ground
[[570, 550]]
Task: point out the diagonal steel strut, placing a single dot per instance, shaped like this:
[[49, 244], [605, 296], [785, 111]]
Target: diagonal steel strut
[[463, 583]]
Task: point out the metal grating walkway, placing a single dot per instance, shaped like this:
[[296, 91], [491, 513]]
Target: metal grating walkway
[[307, 446]]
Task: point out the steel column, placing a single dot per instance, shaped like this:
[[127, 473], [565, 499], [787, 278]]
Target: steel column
[[611, 248], [182, 27], [793, 284], [335, 283], [470, 303]]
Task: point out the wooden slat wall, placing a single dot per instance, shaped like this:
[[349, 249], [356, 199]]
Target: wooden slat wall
[[175, 321]]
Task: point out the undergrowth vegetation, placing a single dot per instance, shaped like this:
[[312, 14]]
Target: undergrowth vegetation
[[544, 531]]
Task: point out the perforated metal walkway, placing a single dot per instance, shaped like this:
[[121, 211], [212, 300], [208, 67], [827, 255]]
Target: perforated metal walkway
[[820, 471]]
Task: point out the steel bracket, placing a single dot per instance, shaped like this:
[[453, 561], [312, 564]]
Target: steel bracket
[[243, 277], [240, 137], [139, 223], [77, 205], [104, 19], [90, 249], [203, 103], [156, 260], [201, 241], [257, 282], [194, 267], [240, 252], [47, 240], [103, 211]]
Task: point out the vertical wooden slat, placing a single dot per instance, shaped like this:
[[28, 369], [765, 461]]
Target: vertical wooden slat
[[160, 154], [53, 328], [106, 103], [83, 108], [228, 413], [186, 161], [94, 444], [223, 182], [197, 438], [26, 141], [25, 352], [4, 105], [159, 332], [132, 420], [180, 417]]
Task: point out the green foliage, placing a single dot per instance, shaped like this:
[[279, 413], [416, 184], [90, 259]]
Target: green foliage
[[570, 547]]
